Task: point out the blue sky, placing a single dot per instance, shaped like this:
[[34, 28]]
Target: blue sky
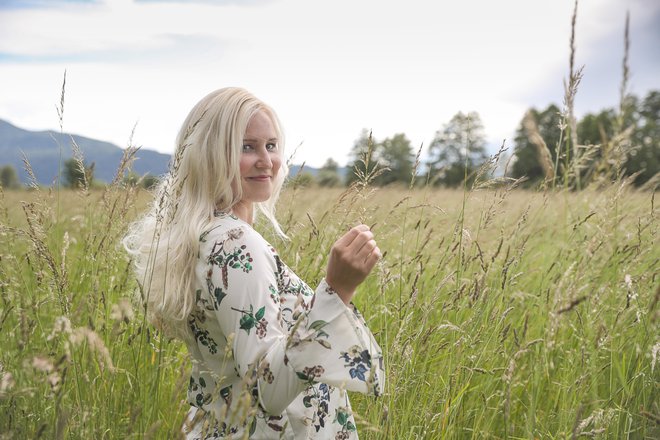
[[328, 68]]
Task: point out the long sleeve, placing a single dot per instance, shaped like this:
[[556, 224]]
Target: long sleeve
[[280, 344]]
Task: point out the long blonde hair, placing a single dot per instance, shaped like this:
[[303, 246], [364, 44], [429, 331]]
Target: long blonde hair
[[204, 177]]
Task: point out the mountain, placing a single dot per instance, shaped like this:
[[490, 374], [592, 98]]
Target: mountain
[[42, 149], [295, 169]]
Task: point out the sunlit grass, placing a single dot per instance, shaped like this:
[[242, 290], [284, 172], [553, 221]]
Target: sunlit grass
[[527, 315], [548, 331]]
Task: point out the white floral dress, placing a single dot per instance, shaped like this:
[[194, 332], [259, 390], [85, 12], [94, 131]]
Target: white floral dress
[[271, 357]]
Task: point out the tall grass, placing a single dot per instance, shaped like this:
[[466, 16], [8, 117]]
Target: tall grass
[[70, 357], [546, 329], [528, 321]]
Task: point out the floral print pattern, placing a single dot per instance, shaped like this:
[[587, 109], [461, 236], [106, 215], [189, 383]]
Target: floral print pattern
[[271, 357], [249, 320], [358, 361], [343, 418]]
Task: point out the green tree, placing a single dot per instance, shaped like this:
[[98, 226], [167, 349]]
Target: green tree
[[329, 174], [75, 176], [149, 181], [457, 150], [395, 154], [596, 129], [528, 155], [365, 150], [9, 177], [628, 141], [388, 161], [596, 132], [644, 156], [301, 180], [131, 179]]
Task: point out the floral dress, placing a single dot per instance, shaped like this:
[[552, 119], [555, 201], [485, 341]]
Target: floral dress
[[271, 357]]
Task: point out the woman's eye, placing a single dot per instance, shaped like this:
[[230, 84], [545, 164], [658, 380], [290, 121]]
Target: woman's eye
[[247, 148], [271, 147]]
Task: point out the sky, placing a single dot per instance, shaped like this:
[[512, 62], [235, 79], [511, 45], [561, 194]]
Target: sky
[[328, 68]]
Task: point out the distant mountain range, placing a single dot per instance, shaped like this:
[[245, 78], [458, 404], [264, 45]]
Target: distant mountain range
[[42, 149]]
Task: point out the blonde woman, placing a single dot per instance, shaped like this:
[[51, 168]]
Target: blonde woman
[[271, 358]]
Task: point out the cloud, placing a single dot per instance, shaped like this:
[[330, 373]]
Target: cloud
[[52, 4], [30, 4], [111, 33], [164, 49]]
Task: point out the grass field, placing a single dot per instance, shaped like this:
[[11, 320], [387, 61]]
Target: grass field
[[502, 313]]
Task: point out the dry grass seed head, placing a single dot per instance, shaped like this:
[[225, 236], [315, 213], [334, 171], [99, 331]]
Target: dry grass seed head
[[122, 311], [7, 382], [95, 343], [531, 128]]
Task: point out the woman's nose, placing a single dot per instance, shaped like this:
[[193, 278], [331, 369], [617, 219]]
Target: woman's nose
[[264, 159]]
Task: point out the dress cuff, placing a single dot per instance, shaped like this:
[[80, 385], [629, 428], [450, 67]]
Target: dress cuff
[[331, 343]]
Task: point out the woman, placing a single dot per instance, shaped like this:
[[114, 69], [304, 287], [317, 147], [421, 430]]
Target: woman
[[271, 358]]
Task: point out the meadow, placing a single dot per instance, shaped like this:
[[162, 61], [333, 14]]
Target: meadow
[[502, 313]]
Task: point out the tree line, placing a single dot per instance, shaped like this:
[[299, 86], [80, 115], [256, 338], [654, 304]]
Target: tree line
[[75, 174], [604, 146]]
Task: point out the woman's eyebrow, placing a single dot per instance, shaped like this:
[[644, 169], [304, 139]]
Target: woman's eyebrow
[[259, 139]]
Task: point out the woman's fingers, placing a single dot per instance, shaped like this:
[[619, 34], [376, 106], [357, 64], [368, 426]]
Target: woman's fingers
[[351, 235], [365, 252], [356, 245], [359, 240], [366, 249], [373, 258]]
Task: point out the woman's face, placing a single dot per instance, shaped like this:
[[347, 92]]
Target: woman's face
[[260, 160]]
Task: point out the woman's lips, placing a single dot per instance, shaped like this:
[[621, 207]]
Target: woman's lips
[[260, 178]]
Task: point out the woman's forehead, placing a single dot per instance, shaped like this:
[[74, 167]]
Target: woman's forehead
[[260, 126]]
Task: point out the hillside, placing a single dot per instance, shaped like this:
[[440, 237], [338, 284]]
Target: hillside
[[42, 148]]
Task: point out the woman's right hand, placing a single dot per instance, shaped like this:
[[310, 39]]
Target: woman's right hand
[[351, 259]]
